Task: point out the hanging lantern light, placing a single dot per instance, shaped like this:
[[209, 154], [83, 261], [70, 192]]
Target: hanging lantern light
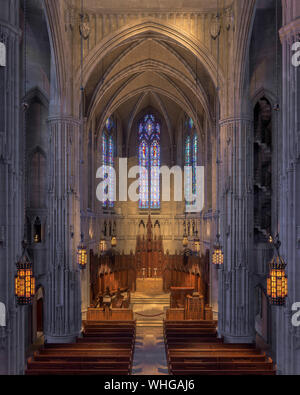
[[218, 256], [24, 280], [197, 243], [114, 242], [277, 285], [185, 241], [102, 246], [82, 254]]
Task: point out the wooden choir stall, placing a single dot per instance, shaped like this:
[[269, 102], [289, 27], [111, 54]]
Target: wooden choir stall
[[112, 281], [114, 277]]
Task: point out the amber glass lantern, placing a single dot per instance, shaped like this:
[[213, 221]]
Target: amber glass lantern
[[218, 256], [114, 242], [185, 241], [24, 280], [36, 238], [197, 243], [102, 246], [82, 255], [277, 285]]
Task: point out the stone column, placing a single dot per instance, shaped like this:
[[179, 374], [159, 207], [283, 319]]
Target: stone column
[[236, 320], [288, 336], [12, 336], [63, 296]]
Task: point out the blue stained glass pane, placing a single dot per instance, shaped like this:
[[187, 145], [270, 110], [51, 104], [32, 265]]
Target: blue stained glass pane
[[149, 159], [104, 160], [191, 123], [191, 154], [104, 145], [188, 163], [155, 184], [188, 151], [144, 163], [110, 160], [108, 163], [109, 123], [194, 161], [149, 127]]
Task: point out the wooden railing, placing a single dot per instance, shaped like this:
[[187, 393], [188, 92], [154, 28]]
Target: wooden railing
[[109, 314]]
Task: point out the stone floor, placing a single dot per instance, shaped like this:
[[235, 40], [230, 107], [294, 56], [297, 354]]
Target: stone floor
[[149, 356], [149, 309]]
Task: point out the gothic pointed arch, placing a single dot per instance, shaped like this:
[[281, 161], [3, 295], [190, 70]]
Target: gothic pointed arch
[[139, 30], [149, 136]]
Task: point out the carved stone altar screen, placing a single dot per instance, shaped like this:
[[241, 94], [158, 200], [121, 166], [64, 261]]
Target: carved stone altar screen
[[149, 254], [118, 271]]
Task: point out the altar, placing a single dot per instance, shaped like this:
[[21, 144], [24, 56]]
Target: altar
[[150, 286]]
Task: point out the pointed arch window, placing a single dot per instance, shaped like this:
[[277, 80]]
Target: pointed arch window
[[108, 154], [191, 148], [37, 230], [37, 180], [90, 170], [263, 131], [149, 162]]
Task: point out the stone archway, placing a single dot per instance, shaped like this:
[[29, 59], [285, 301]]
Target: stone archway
[[154, 29]]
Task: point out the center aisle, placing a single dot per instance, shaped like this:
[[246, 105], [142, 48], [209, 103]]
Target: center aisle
[[150, 353], [149, 304]]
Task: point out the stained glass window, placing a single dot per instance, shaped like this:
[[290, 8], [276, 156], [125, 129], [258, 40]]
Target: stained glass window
[[188, 164], [108, 161], [149, 161], [191, 161], [155, 164], [194, 161], [144, 163], [109, 124]]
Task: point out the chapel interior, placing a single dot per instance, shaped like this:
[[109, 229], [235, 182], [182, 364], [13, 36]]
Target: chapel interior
[[149, 286]]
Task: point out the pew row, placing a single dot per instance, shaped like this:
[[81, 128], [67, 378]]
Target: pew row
[[193, 348], [103, 349]]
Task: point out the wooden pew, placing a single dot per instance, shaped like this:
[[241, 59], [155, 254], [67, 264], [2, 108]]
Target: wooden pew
[[81, 372], [77, 365], [116, 356], [109, 324], [103, 349], [208, 346], [224, 372], [217, 359], [195, 353], [193, 348], [239, 365]]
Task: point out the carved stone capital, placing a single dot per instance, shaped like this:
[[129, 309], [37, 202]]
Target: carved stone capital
[[63, 119], [290, 32]]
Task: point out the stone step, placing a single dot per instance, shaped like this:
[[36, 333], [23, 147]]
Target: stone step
[[147, 301], [149, 323]]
